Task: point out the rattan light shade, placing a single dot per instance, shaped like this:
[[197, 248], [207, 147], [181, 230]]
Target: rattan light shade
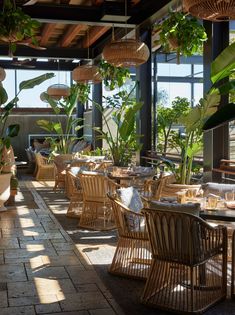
[[57, 91], [213, 10], [86, 74], [2, 74], [126, 53]]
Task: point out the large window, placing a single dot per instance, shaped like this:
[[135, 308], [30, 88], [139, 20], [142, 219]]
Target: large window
[[31, 98]]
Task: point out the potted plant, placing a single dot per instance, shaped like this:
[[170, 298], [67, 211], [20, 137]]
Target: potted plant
[[7, 132], [181, 33], [17, 27], [67, 105]]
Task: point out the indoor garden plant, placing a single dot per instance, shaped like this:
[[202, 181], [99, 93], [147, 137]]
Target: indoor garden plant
[[16, 27], [67, 106], [182, 34], [119, 116]]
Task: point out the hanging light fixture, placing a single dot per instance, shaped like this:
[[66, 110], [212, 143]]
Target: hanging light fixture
[[213, 10], [58, 91], [87, 73], [126, 52], [2, 74]]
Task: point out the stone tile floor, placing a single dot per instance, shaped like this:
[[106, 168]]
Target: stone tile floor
[[50, 266], [41, 269]]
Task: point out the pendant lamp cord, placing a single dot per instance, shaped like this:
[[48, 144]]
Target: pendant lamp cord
[[126, 17]]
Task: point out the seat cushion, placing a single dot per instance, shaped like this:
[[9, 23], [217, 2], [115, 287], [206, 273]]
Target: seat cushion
[[190, 208], [130, 197], [217, 189]]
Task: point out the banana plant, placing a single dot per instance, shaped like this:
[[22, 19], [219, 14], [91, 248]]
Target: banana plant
[[193, 122], [222, 68], [6, 107], [124, 140], [67, 106]]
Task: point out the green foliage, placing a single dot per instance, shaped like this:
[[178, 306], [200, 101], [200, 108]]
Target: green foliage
[[223, 67], [166, 117], [67, 106], [123, 142], [113, 77], [12, 130], [16, 25], [181, 33]]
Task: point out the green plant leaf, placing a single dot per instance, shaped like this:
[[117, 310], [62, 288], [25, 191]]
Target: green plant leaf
[[224, 64], [29, 84], [13, 130], [221, 116], [3, 95]]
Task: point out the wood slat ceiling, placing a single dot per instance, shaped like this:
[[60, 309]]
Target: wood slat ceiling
[[70, 27]]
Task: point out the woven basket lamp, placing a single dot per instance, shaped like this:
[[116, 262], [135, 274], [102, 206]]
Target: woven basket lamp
[[86, 74], [126, 53], [212, 10], [2, 74], [57, 91]]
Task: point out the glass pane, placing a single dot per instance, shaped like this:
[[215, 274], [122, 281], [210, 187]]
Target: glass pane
[[31, 98], [198, 92], [170, 69], [198, 71], [167, 92]]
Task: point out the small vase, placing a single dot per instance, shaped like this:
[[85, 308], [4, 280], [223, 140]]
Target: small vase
[[4, 189]]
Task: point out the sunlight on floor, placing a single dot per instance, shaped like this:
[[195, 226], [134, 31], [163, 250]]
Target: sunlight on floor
[[48, 288]]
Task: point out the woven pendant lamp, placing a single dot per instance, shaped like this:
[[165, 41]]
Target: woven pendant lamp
[[57, 91], [126, 53], [213, 10], [2, 74], [86, 74]]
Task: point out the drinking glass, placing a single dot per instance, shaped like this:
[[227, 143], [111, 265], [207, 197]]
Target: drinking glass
[[229, 195], [181, 196], [212, 202]]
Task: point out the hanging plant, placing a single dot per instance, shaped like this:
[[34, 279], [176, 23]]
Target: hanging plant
[[113, 76], [16, 27], [181, 33]]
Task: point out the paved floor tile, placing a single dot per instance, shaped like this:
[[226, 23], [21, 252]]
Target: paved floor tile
[[63, 246], [82, 276], [65, 260], [107, 311], [12, 273], [70, 313], [24, 310], [32, 251], [26, 244], [30, 231], [83, 301], [33, 300], [45, 308], [47, 272], [51, 235], [3, 299], [9, 243]]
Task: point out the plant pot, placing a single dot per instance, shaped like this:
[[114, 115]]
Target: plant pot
[[171, 189], [4, 189]]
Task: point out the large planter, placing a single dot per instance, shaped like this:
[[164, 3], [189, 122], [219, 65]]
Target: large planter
[[171, 189], [4, 189]]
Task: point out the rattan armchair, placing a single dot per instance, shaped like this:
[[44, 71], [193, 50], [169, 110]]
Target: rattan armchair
[[45, 168], [97, 212], [60, 169], [189, 262], [132, 257], [76, 197]]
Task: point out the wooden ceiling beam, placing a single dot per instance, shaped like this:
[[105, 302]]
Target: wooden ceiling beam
[[71, 33], [94, 34], [46, 33]]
